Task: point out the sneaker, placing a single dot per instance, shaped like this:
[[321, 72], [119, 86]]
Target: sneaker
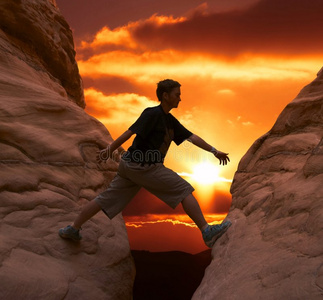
[[213, 232], [70, 232]]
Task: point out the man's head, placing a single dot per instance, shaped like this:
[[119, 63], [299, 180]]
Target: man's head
[[166, 86]]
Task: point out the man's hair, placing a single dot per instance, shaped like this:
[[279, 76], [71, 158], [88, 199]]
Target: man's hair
[[165, 86]]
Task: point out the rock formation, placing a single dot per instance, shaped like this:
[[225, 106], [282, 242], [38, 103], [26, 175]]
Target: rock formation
[[48, 170], [274, 249]]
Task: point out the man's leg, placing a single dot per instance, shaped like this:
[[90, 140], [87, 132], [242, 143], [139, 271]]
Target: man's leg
[[112, 201], [73, 231], [193, 210], [209, 233], [88, 211]]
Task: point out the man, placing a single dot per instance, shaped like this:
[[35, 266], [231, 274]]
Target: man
[[142, 166]]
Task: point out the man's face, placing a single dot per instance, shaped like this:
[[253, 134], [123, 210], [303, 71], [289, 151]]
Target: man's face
[[173, 98]]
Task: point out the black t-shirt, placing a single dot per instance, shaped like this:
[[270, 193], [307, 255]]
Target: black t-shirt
[[154, 130]]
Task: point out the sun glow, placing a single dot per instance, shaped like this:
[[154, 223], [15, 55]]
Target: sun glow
[[207, 182], [206, 173]]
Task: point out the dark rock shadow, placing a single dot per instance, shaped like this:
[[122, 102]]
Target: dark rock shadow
[[170, 275]]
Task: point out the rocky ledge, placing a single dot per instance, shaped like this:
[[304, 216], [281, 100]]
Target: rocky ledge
[[274, 249], [48, 169]]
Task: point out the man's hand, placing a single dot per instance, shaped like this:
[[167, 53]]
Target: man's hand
[[105, 154], [222, 157]]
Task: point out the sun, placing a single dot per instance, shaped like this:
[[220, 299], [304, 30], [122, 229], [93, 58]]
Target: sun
[[206, 173]]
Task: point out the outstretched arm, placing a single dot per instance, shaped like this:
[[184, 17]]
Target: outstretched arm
[[199, 142], [105, 154]]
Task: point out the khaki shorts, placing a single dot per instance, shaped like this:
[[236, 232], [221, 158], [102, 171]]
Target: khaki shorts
[[157, 179]]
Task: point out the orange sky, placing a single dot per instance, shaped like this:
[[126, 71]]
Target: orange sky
[[239, 65]]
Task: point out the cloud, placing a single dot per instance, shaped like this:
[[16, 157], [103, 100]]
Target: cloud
[[147, 50], [174, 219], [161, 219], [238, 122], [227, 92], [121, 38], [87, 17], [247, 123], [110, 84], [269, 26], [150, 67], [114, 109]]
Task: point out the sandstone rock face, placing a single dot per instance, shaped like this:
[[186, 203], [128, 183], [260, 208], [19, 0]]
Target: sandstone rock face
[[48, 170], [274, 249], [44, 41]]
